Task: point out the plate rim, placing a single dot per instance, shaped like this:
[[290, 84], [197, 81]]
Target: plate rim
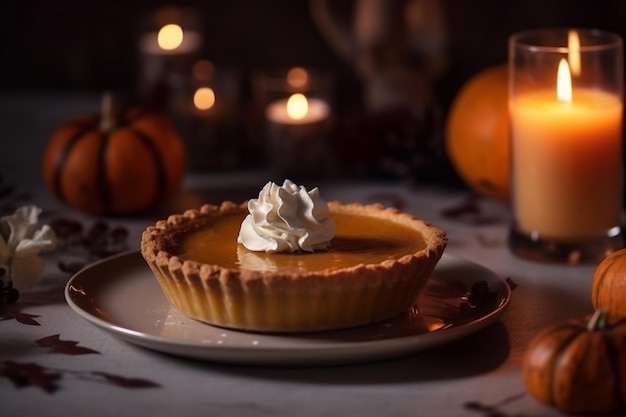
[[263, 355]]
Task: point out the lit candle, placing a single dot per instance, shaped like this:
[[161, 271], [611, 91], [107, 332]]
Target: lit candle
[[212, 94], [170, 39], [204, 99], [298, 78], [298, 137], [567, 159], [210, 118], [167, 51], [298, 110]]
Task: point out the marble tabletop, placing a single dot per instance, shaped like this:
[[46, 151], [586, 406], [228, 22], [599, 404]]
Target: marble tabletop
[[55, 363]]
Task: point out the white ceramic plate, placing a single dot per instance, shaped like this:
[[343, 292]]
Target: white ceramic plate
[[121, 295]]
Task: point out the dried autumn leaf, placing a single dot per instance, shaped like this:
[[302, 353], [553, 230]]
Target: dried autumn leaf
[[68, 230], [68, 347], [119, 235], [464, 208], [98, 241], [470, 212], [479, 296], [127, 382], [493, 410], [30, 374], [23, 318]]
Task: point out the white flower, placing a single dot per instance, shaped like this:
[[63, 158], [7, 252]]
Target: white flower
[[20, 244]]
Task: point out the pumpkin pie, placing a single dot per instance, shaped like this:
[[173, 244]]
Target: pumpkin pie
[[374, 268]]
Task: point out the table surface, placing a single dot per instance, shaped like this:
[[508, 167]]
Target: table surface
[[455, 379]]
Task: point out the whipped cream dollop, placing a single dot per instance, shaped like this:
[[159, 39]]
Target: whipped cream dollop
[[287, 218]]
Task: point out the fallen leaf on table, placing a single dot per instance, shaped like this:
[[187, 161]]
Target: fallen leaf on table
[[127, 382], [68, 347], [30, 374], [23, 318]]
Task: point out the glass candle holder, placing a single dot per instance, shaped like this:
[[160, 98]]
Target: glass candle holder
[[208, 111], [296, 109], [565, 105], [170, 42]]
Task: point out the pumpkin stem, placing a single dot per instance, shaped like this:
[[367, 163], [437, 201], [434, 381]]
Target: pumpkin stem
[[107, 121], [598, 321]]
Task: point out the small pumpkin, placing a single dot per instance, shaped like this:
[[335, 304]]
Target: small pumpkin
[[477, 133], [608, 286], [579, 367], [122, 163]]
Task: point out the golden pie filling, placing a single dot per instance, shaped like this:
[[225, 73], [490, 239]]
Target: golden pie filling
[[358, 239], [376, 266]]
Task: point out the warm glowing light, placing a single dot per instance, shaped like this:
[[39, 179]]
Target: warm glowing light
[[297, 106], [297, 77], [436, 326], [573, 52], [170, 37], [564, 82], [204, 98]]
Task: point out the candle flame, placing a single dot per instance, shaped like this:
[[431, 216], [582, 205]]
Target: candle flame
[[573, 52], [297, 106], [297, 77], [564, 82], [204, 98], [170, 37]]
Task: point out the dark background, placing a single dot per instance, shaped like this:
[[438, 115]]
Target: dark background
[[91, 46], [71, 44]]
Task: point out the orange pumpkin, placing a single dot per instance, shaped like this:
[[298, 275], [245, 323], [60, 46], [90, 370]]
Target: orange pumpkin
[[579, 367], [477, 133], [608, 286], [120, 164]]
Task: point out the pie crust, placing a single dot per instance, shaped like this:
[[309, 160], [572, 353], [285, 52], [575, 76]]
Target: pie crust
[[284, 299]]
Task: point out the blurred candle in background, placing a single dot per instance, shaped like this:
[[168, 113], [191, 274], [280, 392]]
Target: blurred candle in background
[[202, 74], [171, 40], [211, 118], [168, 46], [293, 108], [204, 98], [298, 79], [298, 110]]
